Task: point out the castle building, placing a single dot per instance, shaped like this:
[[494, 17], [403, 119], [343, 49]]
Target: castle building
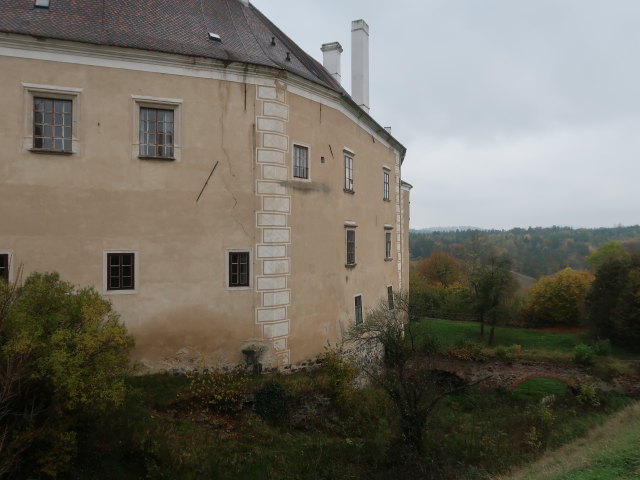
[[208, 177]]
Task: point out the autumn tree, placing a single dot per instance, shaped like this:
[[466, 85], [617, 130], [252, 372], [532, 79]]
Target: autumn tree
[[441, 269], [559, 299], [63, 353]]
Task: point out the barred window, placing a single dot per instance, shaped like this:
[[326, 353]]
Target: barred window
[[156, 132], [358, 309], [4, 266], [52, 124], [120, 271], [348, 173], [385, 194], [300, 161], [238, 269], [351, 247]]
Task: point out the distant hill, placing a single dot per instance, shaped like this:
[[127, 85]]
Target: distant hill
[[442, 229], [534, 251]]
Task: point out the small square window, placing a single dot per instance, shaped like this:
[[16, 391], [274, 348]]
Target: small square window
[[4, 266], [351, 247], [358, 309], [300, 161], [239, 269], [348, 173], [121, 271], [385, 188], [156, 132], [390, 297]]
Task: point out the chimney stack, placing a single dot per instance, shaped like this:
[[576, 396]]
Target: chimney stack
[[360, 63], [331, 59]]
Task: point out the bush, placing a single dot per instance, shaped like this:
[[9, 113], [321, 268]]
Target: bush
[[63, 354], [271, 403], [219, 390], [602, 347], [583, 355], [508, 353], [467, 350]]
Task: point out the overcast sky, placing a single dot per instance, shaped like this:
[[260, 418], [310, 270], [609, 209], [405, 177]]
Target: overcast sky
[[515, 113]]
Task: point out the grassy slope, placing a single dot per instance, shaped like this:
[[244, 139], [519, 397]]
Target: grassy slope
[[610, 451], [533, 340]]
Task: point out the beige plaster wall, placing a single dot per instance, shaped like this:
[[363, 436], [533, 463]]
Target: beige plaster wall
[[61, 212]]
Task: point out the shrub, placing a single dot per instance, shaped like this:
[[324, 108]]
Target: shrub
[[341, 372], [467, 350], [219, 390], [271, 403], [508, 353], [583, 355], [602, 347], [588, 394]]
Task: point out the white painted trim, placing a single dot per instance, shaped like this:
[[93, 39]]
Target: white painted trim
[[174, 104], [252, 267], [136, 272], [350, 224], [388, 227], [9, 264], [349, 151], [52, 88]]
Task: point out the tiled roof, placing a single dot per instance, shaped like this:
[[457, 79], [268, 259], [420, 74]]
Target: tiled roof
[[173, 26]]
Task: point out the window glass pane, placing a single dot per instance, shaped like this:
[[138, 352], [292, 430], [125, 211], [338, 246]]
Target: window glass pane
[[67, 145]]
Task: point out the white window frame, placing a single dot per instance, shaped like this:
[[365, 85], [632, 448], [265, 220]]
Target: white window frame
[[33, 90], [386, 184], [226, 269], [350, 227], [293, 159], [105, 272], [9, 253], [388, 234], [348, 170], [355, 309], [174, 104]]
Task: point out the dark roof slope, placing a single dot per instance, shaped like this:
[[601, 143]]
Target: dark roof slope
[[173, 26]]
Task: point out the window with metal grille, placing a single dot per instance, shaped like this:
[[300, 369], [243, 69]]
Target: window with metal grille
[[121, 271], [348, 173], [238, 269], [351, 247], [4, 266], [156, 132], [52, 124], [385, 194], [358, 309], [390, 297], [300, 161], [387, 245]]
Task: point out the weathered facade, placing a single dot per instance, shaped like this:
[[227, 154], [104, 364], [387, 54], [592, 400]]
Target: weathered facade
[[208, 177]]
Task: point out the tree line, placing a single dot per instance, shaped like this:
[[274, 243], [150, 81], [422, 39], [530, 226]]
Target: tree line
[[533, 251]]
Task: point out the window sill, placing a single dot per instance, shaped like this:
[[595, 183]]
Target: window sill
[[386, 199], [388, 259], [50, 152], [346, 190], [350, 265], [162, 159]]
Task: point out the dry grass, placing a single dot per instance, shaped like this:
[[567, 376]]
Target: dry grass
[[610, 451]]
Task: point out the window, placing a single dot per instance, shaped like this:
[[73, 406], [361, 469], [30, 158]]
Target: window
[[390, 296], [156, 132], [121, 271], [351, 247], [4, 266], [358, 309], [385, 191], [52, 124], [300, 161], [348, 173], [51, 119], [156, 128], [387, 245], [239, 269]]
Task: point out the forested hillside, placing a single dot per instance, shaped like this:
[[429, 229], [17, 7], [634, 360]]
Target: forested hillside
[[534, 251]]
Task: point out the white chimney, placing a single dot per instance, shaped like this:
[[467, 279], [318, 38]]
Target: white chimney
[[331, 59], [360, 63]]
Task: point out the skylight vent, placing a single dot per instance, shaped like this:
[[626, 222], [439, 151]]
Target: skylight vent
[[215, 37], [42, 3]]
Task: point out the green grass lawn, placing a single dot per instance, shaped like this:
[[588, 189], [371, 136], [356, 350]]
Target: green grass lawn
[[450, 332], [541, 387], [609, 452]]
